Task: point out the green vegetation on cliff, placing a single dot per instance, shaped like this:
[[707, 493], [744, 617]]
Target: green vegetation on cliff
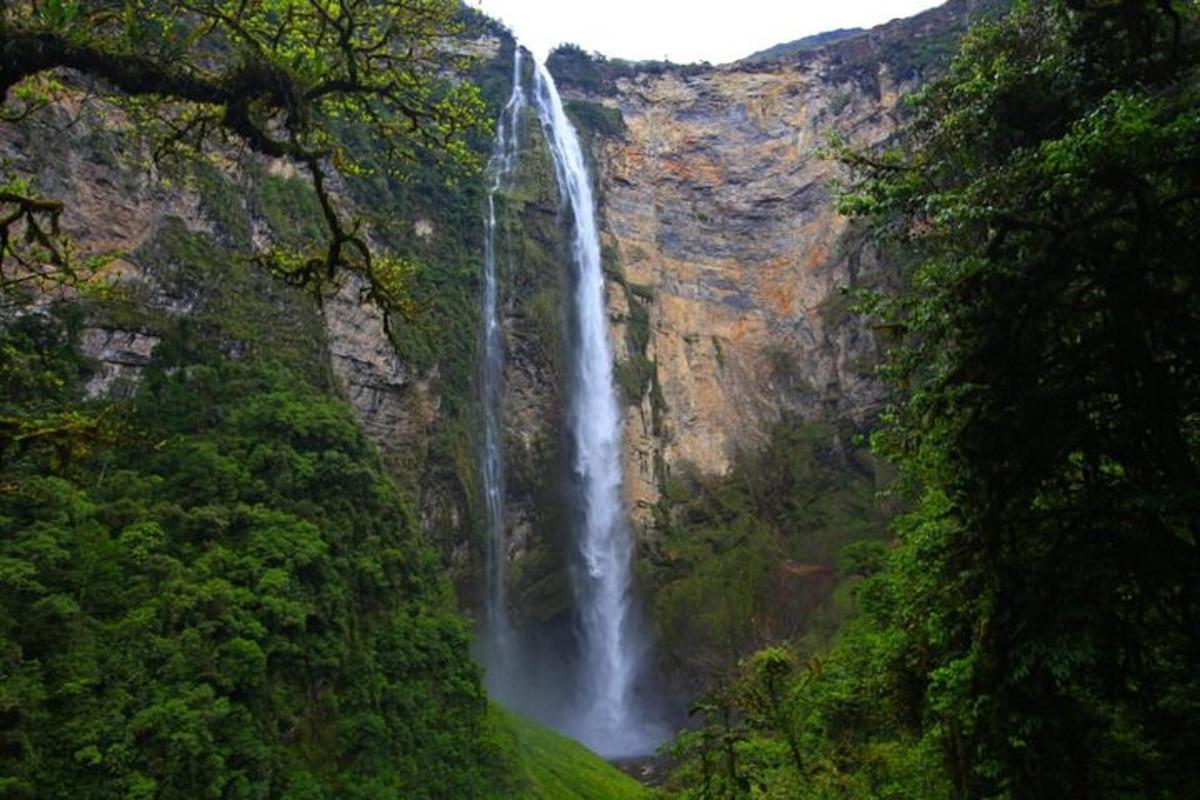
[[806, 44], [597, 75], [222, 596], [752, 558], [1033, 633]]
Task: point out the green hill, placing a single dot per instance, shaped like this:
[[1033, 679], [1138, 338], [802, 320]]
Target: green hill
[[554, 767]]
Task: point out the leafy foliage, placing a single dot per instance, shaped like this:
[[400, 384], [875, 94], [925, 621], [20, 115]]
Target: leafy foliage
[[38, 371], [232, 603], [596, 119], [1050, 196], [1033, 633], [791, 725], [278, 76], [596, 74]]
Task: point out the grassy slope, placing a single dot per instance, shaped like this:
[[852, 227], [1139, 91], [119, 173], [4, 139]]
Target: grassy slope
[[557, 768]]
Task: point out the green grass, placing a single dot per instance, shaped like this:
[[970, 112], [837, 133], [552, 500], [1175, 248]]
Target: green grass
[[557, 768]]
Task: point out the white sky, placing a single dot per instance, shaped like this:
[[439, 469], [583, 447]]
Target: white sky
[[685, 30]]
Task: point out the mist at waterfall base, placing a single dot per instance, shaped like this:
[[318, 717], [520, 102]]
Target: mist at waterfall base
[[589, 682]]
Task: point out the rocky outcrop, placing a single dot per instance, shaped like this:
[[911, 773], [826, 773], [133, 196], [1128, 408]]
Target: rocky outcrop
[[717, 204], [179, 236], [729, 265], [120, 355], [395, 405]]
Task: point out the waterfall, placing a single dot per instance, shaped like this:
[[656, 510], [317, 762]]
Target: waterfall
[[503, 160], [606, 719], [595, 703]]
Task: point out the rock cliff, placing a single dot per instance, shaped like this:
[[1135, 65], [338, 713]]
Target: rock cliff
[[181, 234], [728, 262], [717, 204]]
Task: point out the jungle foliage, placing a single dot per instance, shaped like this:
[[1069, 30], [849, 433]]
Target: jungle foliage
[[1035, 631], [215, 587], [752, 558], [223, 596]]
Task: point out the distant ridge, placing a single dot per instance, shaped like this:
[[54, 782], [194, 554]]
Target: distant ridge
[[814, 42], [909, 45]]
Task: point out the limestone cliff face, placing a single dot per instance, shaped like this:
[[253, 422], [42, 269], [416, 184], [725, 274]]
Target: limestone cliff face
[[728, 262], [118, 203], [717, 204]]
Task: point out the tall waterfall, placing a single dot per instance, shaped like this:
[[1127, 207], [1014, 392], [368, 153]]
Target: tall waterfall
[[606, 720], [498, 636]]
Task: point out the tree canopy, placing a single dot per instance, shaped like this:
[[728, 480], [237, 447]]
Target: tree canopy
[[1049, 194], [1036, 630], [277, 76], [232, 600]]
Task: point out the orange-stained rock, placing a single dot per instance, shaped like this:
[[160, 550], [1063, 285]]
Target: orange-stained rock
[[718, 199]]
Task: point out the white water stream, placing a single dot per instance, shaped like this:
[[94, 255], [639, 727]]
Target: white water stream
[[602, 711], [498, 645], [607, 719]]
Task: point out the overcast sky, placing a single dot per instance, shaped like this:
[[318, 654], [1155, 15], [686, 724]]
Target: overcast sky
[[685, 30]]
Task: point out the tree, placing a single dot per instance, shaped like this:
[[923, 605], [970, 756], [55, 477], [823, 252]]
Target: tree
[[1047, 190], [235, 601], [279, 76]]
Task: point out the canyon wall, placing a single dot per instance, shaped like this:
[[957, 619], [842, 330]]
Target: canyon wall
[[729, 266], [726, 264], [730, 281], [719, 214]]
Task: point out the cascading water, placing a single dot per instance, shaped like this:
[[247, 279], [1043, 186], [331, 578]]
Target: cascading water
[[602, 712], [606, 720], [498, 635]]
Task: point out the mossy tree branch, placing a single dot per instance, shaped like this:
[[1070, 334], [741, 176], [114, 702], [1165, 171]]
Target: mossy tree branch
[[279, 76]]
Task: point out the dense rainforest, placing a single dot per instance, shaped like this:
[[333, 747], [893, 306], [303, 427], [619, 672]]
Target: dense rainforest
[[1033, 632], [213, 583]]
